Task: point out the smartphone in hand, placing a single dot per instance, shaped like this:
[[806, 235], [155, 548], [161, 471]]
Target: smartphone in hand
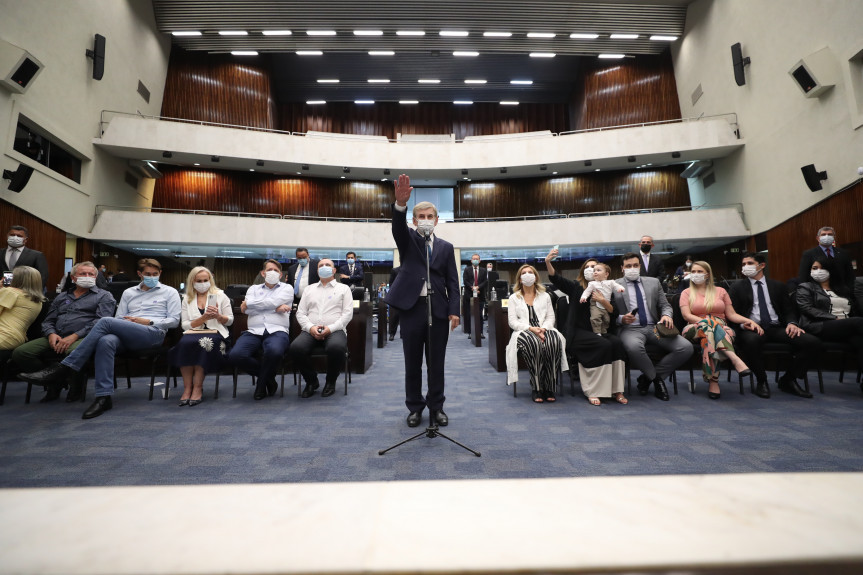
[[557, 257]]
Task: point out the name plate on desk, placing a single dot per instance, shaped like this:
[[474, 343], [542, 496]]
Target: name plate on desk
[[356, 304], [504, 302]]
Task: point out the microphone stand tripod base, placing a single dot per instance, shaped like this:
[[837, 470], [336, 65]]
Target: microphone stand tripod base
[[431, 432]]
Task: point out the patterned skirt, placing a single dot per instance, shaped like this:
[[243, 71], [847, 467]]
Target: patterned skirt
[[209, 350]]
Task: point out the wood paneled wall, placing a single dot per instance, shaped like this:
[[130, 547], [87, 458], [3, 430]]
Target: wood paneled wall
[[43, 237], [595, 192], [628, 91], [217, 88], [788, 240]]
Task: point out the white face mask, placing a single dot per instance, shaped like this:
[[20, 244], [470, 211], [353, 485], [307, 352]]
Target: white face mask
[[750, 271], [823, 240], [15, 241], [528, 279], [689, 264], [697, 278], [425, 227], [325, 272], [272, 277], [820, 275], [588, 274], [85, 282], [632, 274], [202, 287]]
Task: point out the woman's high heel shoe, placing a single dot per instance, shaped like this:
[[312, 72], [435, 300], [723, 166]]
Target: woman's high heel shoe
[[712, 395], [184, 402], [745, 373], [194, 402]]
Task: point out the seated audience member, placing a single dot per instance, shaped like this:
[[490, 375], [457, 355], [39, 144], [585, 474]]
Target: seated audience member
[[681, 275], [20, 304], [268, 306], [599, 315], [708, 309], [828, 311], [351, 273], [145, 314], [71, 317], [302, 273], [323, 314], [205, 314], [843, 270], [601, 360], [639, 309], [767, 303], [531, 317]]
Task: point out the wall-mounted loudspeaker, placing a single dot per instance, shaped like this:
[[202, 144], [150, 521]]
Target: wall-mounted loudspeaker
[[816, 73], [739, 63], [18, 68], [98, 56], [18, 178], [813, 177]]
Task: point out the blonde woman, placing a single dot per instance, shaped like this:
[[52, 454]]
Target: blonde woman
[[707, 309], [20, 304], [205, 314], [531, 317]]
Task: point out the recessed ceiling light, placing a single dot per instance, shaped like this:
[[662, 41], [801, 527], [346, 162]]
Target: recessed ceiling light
[[465, 53], [554, 173], [321, 32], [381, 53], [462, 102], [243, 53], [276, 32], [408, 101], [508, 103], [612, 56], [383, 179], [542, 54], [497, 34], [410, 33], [623, 36], [428, 81], [328, 81], [476, 81], [196, 164], [579, 36], [454, 33], [597, 170], [315, 102], [521, 82], [251, 169], [186, 33], [663, 38], [342, 177], [378, 81], [309, 53], [233, 33], [368, 33], [364, 101], [541, 34]]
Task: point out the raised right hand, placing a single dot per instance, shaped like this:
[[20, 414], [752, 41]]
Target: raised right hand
[[403, 189], [551, 255]]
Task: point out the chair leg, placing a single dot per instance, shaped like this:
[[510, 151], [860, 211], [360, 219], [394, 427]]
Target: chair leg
[[235, 382], [347, 369], [806, 381], [820, 380], [514, 394], [216, 390], [674, 381], [128, 375], [29, 391], [691, 381]]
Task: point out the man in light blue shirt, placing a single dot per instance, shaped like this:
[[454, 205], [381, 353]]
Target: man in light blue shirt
[[145, 314]]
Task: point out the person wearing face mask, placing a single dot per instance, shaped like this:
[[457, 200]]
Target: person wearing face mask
[[323, 314], [681, 274], [268, 307], [767, 303], [707, 310], [71, 317], [20, 304], [18, 254], [302, 273], [531, 318], [409, 293], [844, 271], [145, 314], [475, 280], [828, 310], [351, 272], [651, 265], [639, 309], [205, 314]]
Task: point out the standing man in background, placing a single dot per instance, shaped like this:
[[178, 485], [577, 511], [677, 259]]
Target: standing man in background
[[651, 265], [826, 237], [409, 294], [18, 254], [302, 273], [475, 280], [351, 273]]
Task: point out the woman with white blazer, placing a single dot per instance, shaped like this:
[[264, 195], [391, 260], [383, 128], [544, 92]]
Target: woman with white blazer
[[206, 313], [531, 317]]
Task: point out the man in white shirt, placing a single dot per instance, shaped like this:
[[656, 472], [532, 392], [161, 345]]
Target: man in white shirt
[[323, 314], [268, 307]]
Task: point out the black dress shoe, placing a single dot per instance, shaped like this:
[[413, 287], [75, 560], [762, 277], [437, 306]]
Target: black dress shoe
[[52, 394], [392, 337], [76, 387], [55, 373], [659, 389], [643, 384], [272, 387], [712, 395], [260, 390], [762, 390], [102, 404], [790, 386], [414, 418], [309, 390], [439, 417], [329, 389]]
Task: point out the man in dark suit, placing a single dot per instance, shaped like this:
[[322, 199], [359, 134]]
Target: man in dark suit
[[393, 321], [409, 294], [18, 254], [640, 307], [651, 265], [302, 273], [351, 273], [767, 303], [826, 237], [475, 281]]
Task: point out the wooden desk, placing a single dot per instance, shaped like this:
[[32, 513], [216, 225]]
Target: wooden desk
[[476, 321], [383, 325]]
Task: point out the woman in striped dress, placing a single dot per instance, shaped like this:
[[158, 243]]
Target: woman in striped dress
[[531, 317]]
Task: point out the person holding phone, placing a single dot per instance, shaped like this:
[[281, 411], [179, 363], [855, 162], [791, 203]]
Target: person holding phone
[[20, 304], [205, 314]]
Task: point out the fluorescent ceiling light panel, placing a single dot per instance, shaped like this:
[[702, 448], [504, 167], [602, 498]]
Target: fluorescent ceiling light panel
[[428, 81], [408, 101], [497, 34], [276, 32], [410, 33], [309, 53], [521, 82], [454, 33], [321, 32], [364, 101], [462, 102], [328, 81], [378, 81], [660, 38], [475, 81], [612, 56], [465, 53], [243, 53], [542, 54], [541, 34], [233, 33], [186, 33], [381, 53], [508, 103], [368, 32], [623, 36], [579, 36], [315, 102]]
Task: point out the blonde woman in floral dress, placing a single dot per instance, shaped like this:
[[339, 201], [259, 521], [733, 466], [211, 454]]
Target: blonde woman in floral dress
[[206, 313]]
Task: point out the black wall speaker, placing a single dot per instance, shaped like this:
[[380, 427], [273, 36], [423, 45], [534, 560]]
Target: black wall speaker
[[98, 56], [739, 63], [19, 177], [813, 177]]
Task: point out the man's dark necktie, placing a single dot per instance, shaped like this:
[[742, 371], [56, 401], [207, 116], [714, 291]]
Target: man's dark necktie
[[642, 316], [762, 306], [829, 252]]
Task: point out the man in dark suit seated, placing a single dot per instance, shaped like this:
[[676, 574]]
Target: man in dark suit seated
[[351, 272], [651, 265], [409, 294], [767, 303], [826, 237], [475, 281], [302, 273], [18, 254]]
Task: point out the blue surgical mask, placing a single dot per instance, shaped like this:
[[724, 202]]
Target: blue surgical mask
[[151, 281], [350, 261], [325, 272], [303, 262], [475, 262]]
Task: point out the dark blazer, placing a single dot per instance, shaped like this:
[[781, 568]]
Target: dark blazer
[[30, 258], [814, 305], [394, 274], [743, 300], [467, 279], [843, 266], [356, 278], [121, 277], [311, 269], [654, 299], [655, 269], [405, 289]]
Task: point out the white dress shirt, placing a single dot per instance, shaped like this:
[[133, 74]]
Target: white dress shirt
[[329, 304], [300, 287], [9, 251], [755, 314], [261, 304], [632, 298]]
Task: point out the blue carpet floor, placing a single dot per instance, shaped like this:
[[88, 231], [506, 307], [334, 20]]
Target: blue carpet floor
[[290, 439]]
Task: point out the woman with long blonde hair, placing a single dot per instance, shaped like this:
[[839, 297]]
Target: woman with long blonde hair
[[20, 304]]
